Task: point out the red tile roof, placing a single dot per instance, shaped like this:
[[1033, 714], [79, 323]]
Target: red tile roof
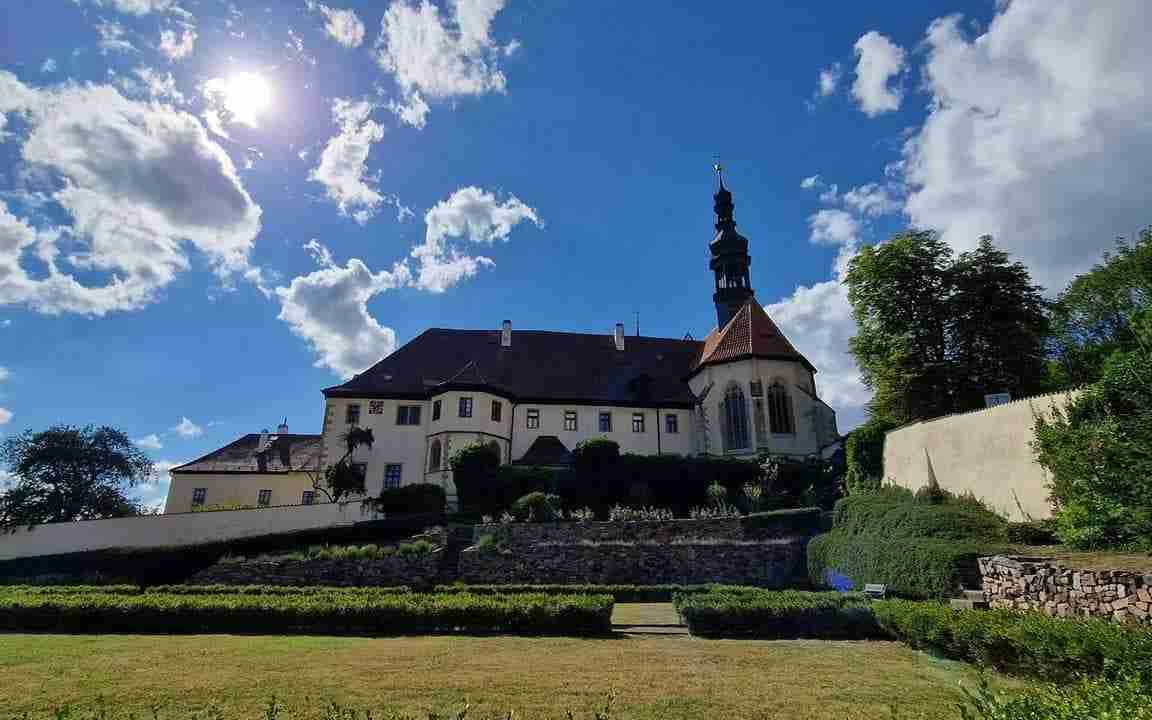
[[750, 333]]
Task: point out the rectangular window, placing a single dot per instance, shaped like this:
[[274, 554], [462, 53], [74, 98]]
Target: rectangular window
[[375, 407], [352, 414], [435, 410], [497, 410], [533, 419], [465, 407], [570, 420], [671, 424], [757, 388], [637, 422], [408, 415], [360, 469], [308, 497], [392, 475], [199, 495], [605, 422], [264, 499]]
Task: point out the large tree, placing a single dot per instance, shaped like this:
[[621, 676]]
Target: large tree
[[937, 332], [70, 473], [1104, 311]]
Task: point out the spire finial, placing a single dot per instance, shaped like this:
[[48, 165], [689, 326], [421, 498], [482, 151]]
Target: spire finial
[[719, 172]]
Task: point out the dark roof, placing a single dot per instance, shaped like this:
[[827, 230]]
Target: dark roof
[[539, 366], [546, 450], [284, 453], [750, 333]]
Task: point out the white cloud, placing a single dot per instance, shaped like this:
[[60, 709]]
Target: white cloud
[[1038, 133], [154, 491], [472, 213], [159, 86], [187, 429], [872, 200], [112, 38], [811, 182], [343, 26], [830, 80], [138, 181], [177, 47], [150, 442], [342, 170], [138, 7], [833, 227], [437, 58], [4, 373], [328, 308], [879, 60], [49, 66], [5, 416]]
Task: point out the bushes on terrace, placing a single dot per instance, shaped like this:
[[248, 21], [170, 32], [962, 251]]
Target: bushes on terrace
[[537, 507], [416, 498], [1127, 698], [744, 612]]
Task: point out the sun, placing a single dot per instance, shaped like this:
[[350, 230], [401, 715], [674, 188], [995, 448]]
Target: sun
[[245, 96]]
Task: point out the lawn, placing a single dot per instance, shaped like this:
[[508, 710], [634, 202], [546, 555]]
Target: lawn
[[666, 678]]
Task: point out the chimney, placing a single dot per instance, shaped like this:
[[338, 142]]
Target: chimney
[[263, 441], [506, 334], [283, 427], [620, 336]]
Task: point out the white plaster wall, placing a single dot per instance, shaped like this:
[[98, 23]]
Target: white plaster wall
[[654, 438], [810, 417], [985, 452], [151, 531], [235, 489]]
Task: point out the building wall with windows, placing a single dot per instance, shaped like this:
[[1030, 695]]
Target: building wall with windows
[[235, 489], [804, 424]]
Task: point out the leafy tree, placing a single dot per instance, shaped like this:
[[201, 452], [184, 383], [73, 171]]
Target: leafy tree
[[474, 470], [1104, 311], [343, 479], [68, 473], [864, 455]]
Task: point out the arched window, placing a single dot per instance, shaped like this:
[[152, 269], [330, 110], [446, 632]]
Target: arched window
[[780, 409], [434, 456], [734, 419]]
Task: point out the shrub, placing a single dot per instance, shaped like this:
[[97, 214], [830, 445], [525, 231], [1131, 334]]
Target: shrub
[[1126, 698], [416, 498], [891, 513], [622, 593], [782, 523], [334, 612], [473, 471], [1025, 643], [1096, 449], [199, 590], [864, 455], [777, 614], [1033, 532], [537, 507]]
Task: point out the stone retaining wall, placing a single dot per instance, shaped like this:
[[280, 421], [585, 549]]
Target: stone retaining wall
[[416, 571], [776, 563], [1040, 584]]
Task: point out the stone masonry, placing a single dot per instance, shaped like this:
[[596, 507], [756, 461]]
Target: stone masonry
[[1040, 584], [415, 571]]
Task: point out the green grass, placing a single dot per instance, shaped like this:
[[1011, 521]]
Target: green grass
[[666, 678]]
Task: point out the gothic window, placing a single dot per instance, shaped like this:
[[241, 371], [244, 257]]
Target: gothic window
[[434, 456], [780, 410], [734, 418]]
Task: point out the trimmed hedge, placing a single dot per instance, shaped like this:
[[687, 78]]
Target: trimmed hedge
[[198, 590], [744, 613], [415, 498], [1124, 698], [333, 613], [622, 593], [894, 514], [1024, 643]]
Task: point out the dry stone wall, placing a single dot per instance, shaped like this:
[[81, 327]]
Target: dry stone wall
[[416, 571], [1039, 584]]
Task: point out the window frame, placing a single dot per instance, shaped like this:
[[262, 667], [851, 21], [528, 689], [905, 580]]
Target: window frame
[[308, 497], [435, 451], [781, 413], [571, 421], [399, 476], [605, 422], [350, 410], [264, 497], [435, 410], [638, 423], [672, 424], [408, 415], [464, 402], [199, 497], [532, 418], [361, 468], [497, 411]]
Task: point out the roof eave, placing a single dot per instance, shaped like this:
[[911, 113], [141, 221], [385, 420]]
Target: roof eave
[[748, 356]]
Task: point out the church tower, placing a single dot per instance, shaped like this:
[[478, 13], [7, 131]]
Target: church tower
[[730, 260]]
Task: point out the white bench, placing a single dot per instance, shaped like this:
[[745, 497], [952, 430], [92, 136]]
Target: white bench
[[875, 590]]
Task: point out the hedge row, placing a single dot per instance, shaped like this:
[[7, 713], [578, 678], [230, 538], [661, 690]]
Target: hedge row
[[621, 593], [743, 613], [894, 514], [1025, 643], [919, 568], [332, 613], [198, 590]]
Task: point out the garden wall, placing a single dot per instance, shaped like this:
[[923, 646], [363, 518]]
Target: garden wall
[[416, 571], [1039, 584], [986, 452], [770, 563]]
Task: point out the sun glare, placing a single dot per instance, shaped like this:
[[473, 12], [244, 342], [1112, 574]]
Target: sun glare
[[245, 96]]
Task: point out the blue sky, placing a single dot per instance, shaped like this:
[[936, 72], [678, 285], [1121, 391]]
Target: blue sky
[[212, 210]]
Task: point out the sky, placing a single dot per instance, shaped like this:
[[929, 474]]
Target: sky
[[211, 210]]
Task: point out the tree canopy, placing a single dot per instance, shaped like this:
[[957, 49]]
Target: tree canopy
[[70, 473]]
